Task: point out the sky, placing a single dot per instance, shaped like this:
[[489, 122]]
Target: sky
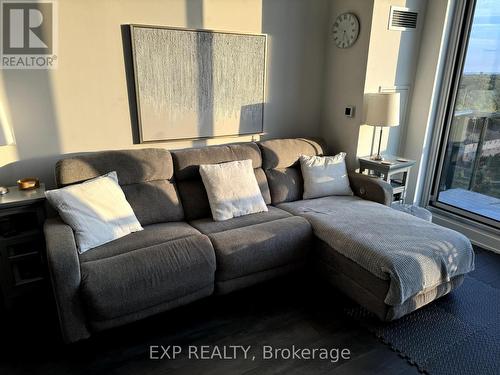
[[483, 54]]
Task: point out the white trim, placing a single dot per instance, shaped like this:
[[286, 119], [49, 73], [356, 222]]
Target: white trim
[[479, 234], [440, 106]]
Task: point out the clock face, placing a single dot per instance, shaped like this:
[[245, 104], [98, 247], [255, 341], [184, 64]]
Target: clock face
[[345, 30]]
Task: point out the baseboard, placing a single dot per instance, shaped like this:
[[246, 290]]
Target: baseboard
[[480, 235]]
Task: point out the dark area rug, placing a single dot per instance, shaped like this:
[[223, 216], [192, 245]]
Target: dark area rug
[[458, 334]]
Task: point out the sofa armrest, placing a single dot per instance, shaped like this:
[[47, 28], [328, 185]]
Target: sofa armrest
[[371, 188], [64, 271]]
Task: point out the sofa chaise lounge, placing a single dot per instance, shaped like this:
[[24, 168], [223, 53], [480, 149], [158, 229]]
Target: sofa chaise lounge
[[183, 255]]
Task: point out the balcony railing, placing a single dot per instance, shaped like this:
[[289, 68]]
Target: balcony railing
[[471, 170]]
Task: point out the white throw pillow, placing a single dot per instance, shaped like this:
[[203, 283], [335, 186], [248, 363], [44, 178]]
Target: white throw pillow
[[324, 176], [96, 210], [232, 189]]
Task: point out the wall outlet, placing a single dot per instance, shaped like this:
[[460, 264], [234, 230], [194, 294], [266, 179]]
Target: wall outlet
[[349, 111]]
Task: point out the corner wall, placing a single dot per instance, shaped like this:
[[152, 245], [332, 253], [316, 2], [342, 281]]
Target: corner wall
[[392, 63], [345, 74], [380, 59], [428, 78]]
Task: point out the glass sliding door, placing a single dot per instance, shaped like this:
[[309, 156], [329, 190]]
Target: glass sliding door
[[469, 180]]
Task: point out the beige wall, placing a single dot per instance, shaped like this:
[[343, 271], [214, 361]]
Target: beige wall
[[345, 80], [392, 62], [385, 58], [83, 104], [380, 58], [423, 114]]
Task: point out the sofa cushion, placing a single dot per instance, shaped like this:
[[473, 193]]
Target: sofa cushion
[[285, 153], [254, 248], [280, 161], [368, 290], [187, 175], [153, 234], [187, 161], [208, 225], [228, 286], [145, 175], [140, 279]]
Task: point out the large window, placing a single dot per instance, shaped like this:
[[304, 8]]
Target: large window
[[469, 181]]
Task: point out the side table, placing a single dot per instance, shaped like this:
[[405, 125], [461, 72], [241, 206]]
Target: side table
[[392, 169], [22, 244]]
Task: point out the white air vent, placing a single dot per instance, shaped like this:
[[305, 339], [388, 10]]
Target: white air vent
[[402, 19]]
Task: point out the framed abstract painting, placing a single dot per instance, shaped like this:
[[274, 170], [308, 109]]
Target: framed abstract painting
[[193, 84]]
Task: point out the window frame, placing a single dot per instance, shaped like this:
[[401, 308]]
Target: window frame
[[456, 55]]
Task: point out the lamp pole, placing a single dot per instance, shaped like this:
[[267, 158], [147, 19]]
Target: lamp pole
[[378, 157]]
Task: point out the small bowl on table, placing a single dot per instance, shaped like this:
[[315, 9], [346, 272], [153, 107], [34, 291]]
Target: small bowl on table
[[29, 183]]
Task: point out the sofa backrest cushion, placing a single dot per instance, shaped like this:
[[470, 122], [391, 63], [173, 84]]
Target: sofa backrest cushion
[[186, 170], [145, 175], [280, 161]]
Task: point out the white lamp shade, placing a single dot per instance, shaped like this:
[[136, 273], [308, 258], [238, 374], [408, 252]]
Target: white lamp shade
[[382, 109], [6, 136]]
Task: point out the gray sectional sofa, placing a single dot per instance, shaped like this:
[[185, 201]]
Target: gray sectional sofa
[[183, 255]]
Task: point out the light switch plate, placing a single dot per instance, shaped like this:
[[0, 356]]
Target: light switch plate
[[349, 111]]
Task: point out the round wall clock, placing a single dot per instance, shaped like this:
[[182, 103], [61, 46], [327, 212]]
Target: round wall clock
[[345, 30]]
